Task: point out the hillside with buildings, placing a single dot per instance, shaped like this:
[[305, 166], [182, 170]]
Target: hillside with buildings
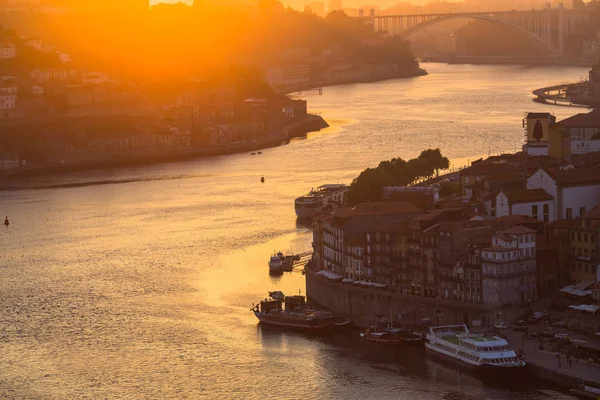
[[519, 228], [155, 84]]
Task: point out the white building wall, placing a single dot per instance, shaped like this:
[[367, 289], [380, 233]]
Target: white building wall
[[576, 197], [8, 52], [584, 146], [541, 180], [502, 207], [8, 102], [537, 151], [35, 43], [526, 209]]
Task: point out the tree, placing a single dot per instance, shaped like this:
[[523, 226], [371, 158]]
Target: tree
[[395, 172]]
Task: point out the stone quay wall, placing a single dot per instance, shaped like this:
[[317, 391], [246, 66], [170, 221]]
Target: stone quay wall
[[365, 305]]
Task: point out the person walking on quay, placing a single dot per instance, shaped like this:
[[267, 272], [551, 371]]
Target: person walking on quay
[[558, 358]]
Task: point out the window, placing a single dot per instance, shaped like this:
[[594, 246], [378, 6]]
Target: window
[[546, 209], [579, 236], [585, 237], [569, 213], [534, 211], [581, 210]]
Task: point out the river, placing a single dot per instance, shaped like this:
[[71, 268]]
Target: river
[[137, 282]]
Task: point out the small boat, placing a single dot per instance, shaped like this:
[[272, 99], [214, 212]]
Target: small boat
[[262, 179], [392, 336], [260, 152], [295, 315], [342, 322], [253, 154], [276, 263]]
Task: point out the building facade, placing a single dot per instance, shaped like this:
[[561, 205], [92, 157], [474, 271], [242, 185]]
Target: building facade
[[585, 245], [509, 268]]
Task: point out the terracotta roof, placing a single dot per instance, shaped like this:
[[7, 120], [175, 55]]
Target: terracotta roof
[[563, 223], [428, 216], [592, 158], [389, 226], [365, 209], [538, 115], [594, 213], [526, 195], [451, 226], [518, 229], [505, 237], [587, 120], [577, 176], [517, 219], [487, 168]]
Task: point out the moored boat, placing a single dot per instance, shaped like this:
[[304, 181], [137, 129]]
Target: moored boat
[[316, 201], [276, 263], [479, 352], [290, 312], [392, 336]]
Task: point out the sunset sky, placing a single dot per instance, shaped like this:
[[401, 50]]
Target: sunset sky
[[294, 3]]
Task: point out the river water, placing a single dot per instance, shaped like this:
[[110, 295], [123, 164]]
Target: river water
[[137, 282]]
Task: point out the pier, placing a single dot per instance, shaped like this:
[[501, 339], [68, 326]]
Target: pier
[[296, 259]]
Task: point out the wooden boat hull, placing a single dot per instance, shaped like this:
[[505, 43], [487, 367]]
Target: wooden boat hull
[[308, 326]]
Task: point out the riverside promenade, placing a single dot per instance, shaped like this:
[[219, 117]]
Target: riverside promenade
[[544, 364]]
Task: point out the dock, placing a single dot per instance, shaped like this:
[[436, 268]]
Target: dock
[[296, 259]]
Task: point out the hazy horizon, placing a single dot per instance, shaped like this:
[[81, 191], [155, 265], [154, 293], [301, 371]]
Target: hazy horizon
[[347, 3]]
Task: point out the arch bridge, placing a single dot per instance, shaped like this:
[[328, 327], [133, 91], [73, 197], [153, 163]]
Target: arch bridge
[[549, 28]]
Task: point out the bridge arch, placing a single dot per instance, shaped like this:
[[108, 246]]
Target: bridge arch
[[537, 41]]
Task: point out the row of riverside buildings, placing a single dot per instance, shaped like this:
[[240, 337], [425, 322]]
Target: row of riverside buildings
[[66, 114], [519, 227]]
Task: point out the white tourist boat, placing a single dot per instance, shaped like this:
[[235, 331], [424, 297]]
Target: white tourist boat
[[321, 199], [456, 343]]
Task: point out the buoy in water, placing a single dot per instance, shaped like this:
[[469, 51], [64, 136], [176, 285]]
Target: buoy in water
[[262, 179], [6, 222]]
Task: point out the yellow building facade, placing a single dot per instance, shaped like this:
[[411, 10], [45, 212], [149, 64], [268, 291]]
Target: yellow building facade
[[584, 243]]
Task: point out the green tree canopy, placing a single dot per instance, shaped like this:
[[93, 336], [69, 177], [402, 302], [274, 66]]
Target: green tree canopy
[[395, 172]]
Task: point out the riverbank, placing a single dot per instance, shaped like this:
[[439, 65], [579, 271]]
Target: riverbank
[[505, 61], [562, 95], [359, 75], [12, 179]]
